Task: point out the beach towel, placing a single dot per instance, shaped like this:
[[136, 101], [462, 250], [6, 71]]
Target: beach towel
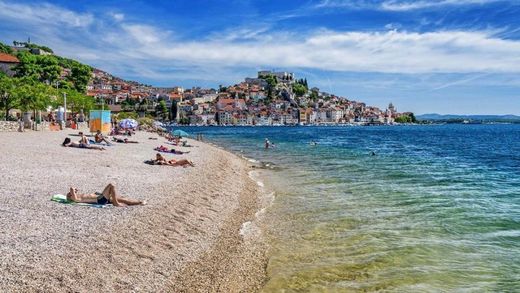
[[63, 199], [99, 143]]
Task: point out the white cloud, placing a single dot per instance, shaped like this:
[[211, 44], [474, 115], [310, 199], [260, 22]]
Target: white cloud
[[399, 5], [413, 5], [396, 52], [43, 14], [136, 47], [143, 34], [118, 16]]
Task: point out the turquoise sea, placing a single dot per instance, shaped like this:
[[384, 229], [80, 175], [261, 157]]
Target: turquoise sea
[[437, 209]]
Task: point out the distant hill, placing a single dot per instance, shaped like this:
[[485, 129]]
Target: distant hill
[[481, 118]]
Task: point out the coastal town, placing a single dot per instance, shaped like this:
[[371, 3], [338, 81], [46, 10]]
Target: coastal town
[[271, 98]]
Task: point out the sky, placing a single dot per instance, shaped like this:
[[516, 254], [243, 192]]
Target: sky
[[436, 56]]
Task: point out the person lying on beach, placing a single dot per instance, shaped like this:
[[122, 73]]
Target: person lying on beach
[[174, 139], [123, 140], [160, 160], [108, 195], [68, 143], [183, 143], [167, 150], [99, 138]]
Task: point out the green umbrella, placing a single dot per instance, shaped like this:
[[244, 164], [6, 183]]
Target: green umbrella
[[180, 133]]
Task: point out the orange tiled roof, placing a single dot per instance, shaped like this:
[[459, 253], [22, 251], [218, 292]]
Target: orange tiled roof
[[226, 101], [6, 58]]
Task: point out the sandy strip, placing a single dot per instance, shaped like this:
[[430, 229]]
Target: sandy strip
[[186, 239]]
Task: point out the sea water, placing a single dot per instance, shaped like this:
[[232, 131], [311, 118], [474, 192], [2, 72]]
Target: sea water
[[436, 209]]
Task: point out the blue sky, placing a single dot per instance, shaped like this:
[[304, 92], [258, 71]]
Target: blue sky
[[443, 56]]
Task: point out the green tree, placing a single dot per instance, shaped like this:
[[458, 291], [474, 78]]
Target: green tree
[[76, 101], [5, 49], [124, 115], [299, 89], [80, 76], [8, 93], [270, 79], [184, 121], [161, 110], [314, 96], [143, 106], [128, 105], [270, 95], [173, 110], [45, 68], [28, 66], [34, 95], [50, 71], [412, 118], [403, 119]]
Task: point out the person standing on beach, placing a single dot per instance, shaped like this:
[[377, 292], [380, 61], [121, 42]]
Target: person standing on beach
[[20, 125]]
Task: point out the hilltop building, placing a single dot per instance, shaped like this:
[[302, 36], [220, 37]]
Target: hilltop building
[[280, 76]]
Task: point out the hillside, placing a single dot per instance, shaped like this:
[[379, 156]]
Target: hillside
[[270, 98]]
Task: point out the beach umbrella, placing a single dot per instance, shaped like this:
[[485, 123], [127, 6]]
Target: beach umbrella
[[128, 123], [180, 133]]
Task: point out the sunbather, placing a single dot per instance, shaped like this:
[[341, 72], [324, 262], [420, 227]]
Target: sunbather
[[68, 143], [83, 140], [123, 140], [174, 139], [99, 138], [168, 150], [160, 160], [108, 195]]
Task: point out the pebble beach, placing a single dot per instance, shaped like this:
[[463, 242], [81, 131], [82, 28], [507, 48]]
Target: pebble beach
[[185, 239]]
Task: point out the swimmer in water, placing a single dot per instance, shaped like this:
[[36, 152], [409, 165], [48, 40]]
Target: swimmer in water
[[267, 143]]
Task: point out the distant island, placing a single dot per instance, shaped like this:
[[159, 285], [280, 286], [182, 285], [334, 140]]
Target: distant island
[[468, 119], [32, 78]]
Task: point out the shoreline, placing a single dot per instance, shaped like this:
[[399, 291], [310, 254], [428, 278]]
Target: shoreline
[[188, 236]]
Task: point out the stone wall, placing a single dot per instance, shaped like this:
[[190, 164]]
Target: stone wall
[[8, 126]]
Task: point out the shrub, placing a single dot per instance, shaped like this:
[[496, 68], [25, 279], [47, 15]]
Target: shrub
[[145, 121], [125, 115]]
